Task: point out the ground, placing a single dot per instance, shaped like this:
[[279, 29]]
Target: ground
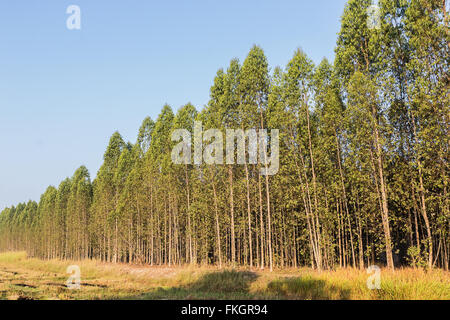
[[29, 278]]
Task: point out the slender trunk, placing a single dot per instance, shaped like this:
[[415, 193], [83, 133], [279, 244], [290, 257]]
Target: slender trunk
[[249, 215], [233, 241], [422, 192], [188, 214], [385, 211], [268, 201], [217, 225], [261, 221], [316, 208]]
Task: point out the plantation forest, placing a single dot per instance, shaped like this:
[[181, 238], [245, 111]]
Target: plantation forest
[[363, 170]]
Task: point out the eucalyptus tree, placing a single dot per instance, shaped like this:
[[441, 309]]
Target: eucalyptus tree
[[105, 200], [253, 90], [212, 117], [184, 120], [135, 195], [358, 59], [47, 223], [62, 200], [329, 109], [160, 157], [426, 29], [298, 99], [229, 102]]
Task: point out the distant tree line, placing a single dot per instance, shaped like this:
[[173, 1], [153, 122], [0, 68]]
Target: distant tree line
[[363, 176]]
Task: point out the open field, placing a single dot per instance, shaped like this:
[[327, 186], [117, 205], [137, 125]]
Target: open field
[[25, 278]]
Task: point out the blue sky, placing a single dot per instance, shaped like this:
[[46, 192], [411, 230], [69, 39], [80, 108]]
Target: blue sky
[[64, 92]]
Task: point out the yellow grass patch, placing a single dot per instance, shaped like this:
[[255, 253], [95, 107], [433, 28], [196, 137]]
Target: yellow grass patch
[[29, 278]]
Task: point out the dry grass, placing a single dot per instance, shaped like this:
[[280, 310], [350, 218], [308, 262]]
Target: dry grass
[[28, 278]]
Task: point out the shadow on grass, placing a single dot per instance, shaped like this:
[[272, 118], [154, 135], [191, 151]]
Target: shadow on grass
[[306, 288], [215, 285], [230, 285]]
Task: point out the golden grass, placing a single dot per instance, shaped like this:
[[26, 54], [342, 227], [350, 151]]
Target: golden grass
[[29, 278]]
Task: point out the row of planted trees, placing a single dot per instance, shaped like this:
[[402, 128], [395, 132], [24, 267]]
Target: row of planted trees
[[363, 175]]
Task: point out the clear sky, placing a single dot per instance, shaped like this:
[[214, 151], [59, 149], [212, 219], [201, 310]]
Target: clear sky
[[64, 92]]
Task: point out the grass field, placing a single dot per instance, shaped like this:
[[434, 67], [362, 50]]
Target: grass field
[[27, 278]]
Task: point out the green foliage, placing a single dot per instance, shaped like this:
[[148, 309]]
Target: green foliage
[[416, 258]]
